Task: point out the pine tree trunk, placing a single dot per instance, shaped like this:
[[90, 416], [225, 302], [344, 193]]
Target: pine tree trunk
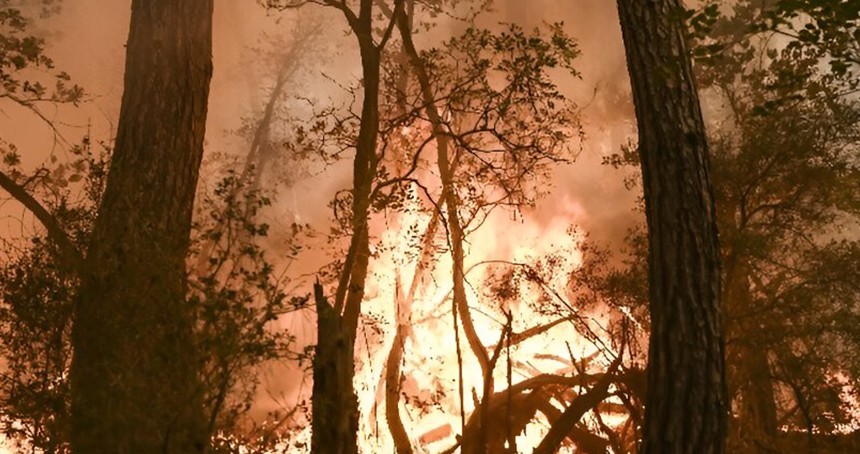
[[134, 381], [687, 405]]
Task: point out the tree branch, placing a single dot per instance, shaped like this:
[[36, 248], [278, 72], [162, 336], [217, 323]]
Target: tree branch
[[68, 252], [582, 404]]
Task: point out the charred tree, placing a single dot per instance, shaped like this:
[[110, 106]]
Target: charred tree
[[687, 404], [565, 424], [334, 427], [134, 376], [336, 432]]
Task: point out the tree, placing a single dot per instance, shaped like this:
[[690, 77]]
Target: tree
[[37, 291], [335, 406], [783, 158], [786, 176], [22, 56], [134, 382], [231, 295], [825, 29], [493, 127], [687, 405], [490, 150]]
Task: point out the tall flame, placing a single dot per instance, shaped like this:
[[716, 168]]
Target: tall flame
[[430, 405]]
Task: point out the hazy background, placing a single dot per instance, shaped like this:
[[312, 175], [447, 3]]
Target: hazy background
[[86, 39]]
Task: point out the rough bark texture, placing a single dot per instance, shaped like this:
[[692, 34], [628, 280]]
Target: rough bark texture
[[134, 380], [335, 413], [687, 406]]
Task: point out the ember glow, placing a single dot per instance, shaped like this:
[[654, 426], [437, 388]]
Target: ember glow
[[430, 371], [545, 343]]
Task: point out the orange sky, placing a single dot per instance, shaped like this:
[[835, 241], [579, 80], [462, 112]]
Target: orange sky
[[87, 40]]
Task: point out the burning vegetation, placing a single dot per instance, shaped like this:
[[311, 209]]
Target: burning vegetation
[[434, 305]]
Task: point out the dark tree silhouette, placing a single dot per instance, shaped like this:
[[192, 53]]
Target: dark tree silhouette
[[335, 406], [134, 380], [686, 404]]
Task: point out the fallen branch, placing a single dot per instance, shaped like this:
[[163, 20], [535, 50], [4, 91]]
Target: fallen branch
[[581, 405]]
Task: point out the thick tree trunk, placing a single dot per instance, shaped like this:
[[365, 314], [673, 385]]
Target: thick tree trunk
[[687, 405], [134, 379]]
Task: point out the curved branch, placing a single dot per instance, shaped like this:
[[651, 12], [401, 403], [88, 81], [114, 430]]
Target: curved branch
[[69, 253], [576, 410], [454, 226]]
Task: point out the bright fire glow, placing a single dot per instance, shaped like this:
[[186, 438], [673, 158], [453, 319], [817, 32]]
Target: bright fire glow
[[429, 398]]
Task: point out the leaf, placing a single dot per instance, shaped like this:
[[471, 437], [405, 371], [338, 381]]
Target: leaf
[[11, 159]]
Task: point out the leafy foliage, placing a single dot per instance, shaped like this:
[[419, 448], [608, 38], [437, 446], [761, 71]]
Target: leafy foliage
[[237, 298], [36, 306], [784, 143], [24, 65]]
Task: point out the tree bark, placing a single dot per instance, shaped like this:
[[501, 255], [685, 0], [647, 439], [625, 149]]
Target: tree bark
[[336, 432], [335, 409], [134, 377], [687, 404]]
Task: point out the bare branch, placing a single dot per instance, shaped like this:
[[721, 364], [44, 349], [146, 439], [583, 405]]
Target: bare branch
[[68, 252], [392, 21], [576, 410]]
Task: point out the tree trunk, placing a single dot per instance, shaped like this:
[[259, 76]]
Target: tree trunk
[[447, 167], [687, 404], [402, 445], [335, 409], [751, 377], [134, 381], [336, 431], [403, 303]]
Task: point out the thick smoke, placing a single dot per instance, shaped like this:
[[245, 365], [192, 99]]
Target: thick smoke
[[86, 39]]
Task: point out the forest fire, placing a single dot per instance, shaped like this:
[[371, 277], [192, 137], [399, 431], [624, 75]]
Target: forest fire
[[430, 374], [409, 318], [429, 226]]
